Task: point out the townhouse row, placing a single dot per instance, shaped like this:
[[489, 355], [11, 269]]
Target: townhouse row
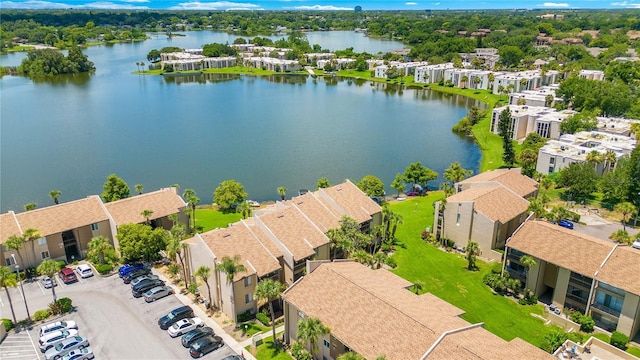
[[276, 242], [67, 228]]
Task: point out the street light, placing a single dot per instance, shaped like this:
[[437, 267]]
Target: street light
[[21, 286]]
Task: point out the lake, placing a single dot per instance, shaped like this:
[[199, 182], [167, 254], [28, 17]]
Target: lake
[[72, 132]]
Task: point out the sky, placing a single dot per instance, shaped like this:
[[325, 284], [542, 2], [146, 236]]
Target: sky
[[318, 4]]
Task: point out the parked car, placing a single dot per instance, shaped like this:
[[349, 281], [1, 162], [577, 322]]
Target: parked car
[[413, 193], [134, 274], [565, 224], [157, 292], [80, 354], [84, 271], [145, 286], [195, 334], [205, 345], [67, 275], [184, 325], [64, 347], [233, 357], [50, 339], [137, 280], [58, 325], [127, 268], [48, 282], [174, 315]]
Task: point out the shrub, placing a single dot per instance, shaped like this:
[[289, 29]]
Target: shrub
[[587, 324], [8, 324], [245, 316], [496, 268], [41, 315], [576, 337], [299, 352], [103, 269], [61, 306], [575, 316], [553, 340], [619, 340], [264, 319], [193, 289], [61, 263]]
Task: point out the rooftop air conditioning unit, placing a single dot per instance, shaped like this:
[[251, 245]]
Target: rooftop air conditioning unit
[[562, 147]]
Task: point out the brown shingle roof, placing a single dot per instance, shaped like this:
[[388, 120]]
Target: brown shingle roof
[[476, 343], [67, 216], [511, 178], [622, 269], [349, 297], [8, 226], [351, 200], [495, 202], [238, 240], [162, 202], [577, 252], [294, 231], [318, 212]]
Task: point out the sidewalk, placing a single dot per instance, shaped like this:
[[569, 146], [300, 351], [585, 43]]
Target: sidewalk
[[261, 336], [228, 339]]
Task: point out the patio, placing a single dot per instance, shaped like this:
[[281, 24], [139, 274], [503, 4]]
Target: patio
[[593, 349]]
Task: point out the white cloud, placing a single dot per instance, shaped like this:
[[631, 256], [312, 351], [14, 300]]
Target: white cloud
[[215, 5], [436, 4], [36, 4], [410, 3], [136, 1], [321, 7], [550, 4], [626, 4]]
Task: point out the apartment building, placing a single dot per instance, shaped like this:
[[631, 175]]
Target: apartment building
[[527, 119]]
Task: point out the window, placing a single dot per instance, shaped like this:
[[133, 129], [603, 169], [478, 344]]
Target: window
[[94, 227], [248, 298], [42, 241], [45, 255], [552, 161], [458, 219], [326, 343], [247, 281], [9, 261]]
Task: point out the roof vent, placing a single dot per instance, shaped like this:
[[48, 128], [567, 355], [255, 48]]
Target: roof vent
[[280, 216], [226, 235]]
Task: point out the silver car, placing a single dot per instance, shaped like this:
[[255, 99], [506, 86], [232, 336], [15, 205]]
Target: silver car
[[157, 292], [51, 339], [55, 326], [137, 280], [48, 282], [79, 354], [64, 347]]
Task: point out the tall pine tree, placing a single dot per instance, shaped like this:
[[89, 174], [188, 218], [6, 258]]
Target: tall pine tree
[[504, 129]]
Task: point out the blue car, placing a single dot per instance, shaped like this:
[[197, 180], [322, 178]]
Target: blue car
[[127, 268], [566, 224]]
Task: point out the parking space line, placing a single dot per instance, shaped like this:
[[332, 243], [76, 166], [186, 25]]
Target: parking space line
[[34, 346], [1, 302], [42, 288]]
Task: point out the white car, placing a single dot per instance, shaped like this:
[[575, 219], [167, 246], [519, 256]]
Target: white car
[[79, 354], [636, 244], [48, 282], [84, 271], [48, 341], [184, 326], [58, 325]]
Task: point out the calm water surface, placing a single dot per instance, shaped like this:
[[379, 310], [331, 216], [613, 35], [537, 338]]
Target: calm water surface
[[197, 131]]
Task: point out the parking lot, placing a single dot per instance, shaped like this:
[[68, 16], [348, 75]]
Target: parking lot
[[117, 325]]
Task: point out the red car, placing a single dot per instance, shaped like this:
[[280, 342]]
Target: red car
[[67, 275]]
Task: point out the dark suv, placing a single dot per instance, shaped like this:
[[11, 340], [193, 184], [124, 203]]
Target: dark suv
[[67, 275], [144, 285], [174, 315]]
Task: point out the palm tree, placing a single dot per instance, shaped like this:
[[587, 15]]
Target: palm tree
[[192, 200], [491, 77], [244, 209], [309, 329], [620, 236], [30, 235], [472, 251], [269, 290], [146, 214], [396, 219], [54, 194], [204, 273], [7, 280], [231, 266], [49, 267], [537, 208], [379, 258], [334, 237], [627, 209], [456, 173], [98, 247], [546, 182], [139, 188], [528, 262], [610, 159], [175, 246], [464, 80], [363, 257], [418, 286], [351, 356], [282, 191]]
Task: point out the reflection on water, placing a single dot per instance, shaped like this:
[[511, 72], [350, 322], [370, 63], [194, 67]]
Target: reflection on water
[[80, 80]]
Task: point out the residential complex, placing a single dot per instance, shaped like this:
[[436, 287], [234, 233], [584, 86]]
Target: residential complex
[[527, 119], [487, 209], [349, 297], [577, 148], [67, 228], [277, 241], [577, 271]]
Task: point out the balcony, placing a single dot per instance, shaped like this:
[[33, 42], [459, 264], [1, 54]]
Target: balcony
[[605, 309]]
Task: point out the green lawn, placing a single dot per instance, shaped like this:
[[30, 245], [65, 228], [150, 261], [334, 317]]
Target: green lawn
[[267, 351], [250, 328], [212, 218], [445, 275]]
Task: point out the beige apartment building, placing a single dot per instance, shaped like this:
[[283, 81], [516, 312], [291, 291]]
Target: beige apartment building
[[349, 297], [594, 276]]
